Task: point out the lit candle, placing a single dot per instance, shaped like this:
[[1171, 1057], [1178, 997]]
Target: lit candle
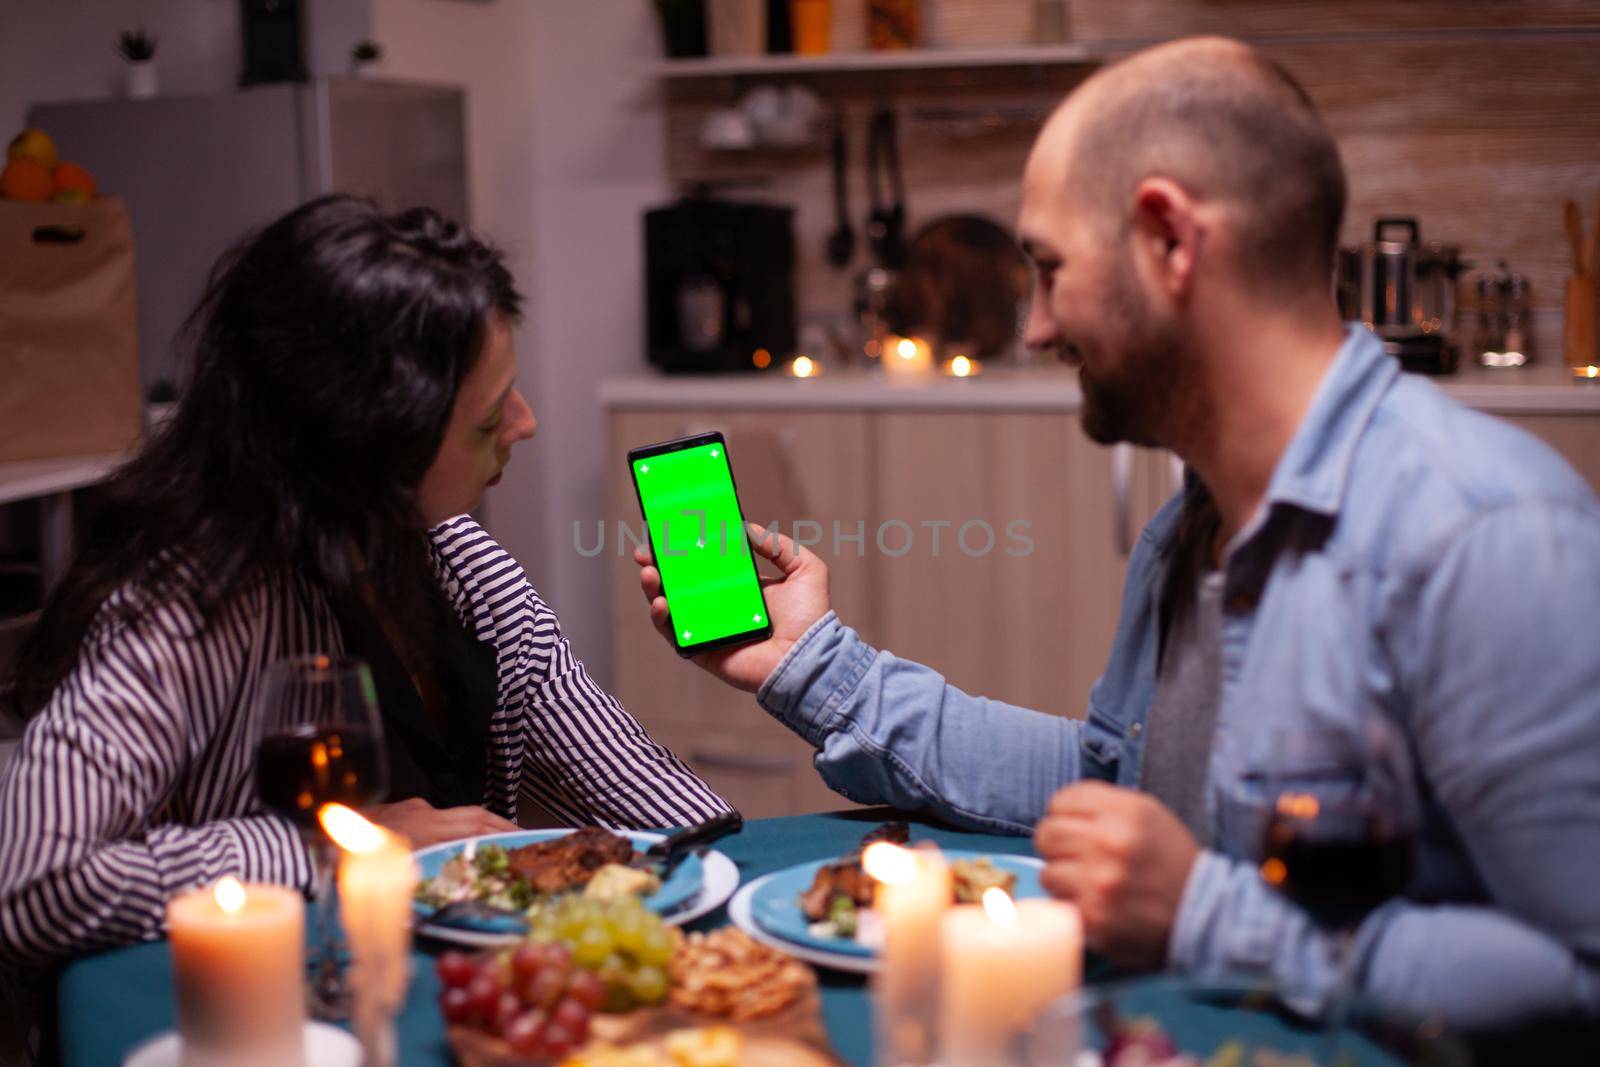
[[1000, 964], [907, 357], [238, 962], [377, 877], [963, 367], [804, 367], [914, 891]]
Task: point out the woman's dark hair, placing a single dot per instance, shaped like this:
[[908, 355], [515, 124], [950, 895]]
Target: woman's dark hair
[[326, 355]]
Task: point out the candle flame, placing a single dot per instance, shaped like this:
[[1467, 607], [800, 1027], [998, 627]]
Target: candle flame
[[804, 367], [1591, 371], [229, 895], [349, 829], [998, 906], [961, 366], [1298, 806], [889, 863], [906, 348]]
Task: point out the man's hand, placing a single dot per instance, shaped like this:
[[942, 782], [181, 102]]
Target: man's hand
[[1124, 859], [794, 601], [423, 824]]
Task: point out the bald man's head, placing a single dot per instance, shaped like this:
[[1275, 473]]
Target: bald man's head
[[1228, 125]]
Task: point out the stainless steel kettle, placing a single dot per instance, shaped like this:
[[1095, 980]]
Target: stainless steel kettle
[[1405, 292]]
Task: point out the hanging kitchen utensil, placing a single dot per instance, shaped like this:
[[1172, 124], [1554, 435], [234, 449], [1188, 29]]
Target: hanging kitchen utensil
[[842, 241], [886, 224]]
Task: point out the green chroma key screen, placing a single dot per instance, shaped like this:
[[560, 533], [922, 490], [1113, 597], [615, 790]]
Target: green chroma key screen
[[701, 550]]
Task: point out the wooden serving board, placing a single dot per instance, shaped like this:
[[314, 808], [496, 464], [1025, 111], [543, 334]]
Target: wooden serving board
[[792, 1037]]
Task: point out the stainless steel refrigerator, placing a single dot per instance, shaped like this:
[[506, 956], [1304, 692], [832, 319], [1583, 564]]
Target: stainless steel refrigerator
[[198, 172]]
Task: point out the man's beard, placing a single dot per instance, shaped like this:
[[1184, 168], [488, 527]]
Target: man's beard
[[1129, 396]]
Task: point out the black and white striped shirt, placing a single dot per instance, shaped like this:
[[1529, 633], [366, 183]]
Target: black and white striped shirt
[[136, 780]]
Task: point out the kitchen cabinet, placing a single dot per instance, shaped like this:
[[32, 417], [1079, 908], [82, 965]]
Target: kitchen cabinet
[[1575, 437], [1019, 597]]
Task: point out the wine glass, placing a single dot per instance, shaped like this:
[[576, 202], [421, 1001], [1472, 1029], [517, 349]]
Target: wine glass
[[1340, 828], [319, 741]]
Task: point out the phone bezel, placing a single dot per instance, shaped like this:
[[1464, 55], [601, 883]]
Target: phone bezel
[[679, 444]]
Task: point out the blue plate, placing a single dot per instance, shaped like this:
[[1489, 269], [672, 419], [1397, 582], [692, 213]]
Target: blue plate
[[775, 904], [676, 891]]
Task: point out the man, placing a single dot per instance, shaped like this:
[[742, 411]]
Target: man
[[1351, 546]]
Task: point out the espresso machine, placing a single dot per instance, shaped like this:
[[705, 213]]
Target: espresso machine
[[1405, 292], [719, 285]]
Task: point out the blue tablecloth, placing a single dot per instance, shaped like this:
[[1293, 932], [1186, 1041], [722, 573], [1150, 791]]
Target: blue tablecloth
[[111, 1002]]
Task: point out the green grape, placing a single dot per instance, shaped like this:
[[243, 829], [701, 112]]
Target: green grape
[[657, 947], [594, 944], [629, 929], [649, 985]]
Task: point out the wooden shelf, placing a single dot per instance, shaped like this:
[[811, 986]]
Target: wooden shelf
[[867, 62]]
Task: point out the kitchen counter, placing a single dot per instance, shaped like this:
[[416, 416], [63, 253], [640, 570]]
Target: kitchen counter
[[1542, 389]]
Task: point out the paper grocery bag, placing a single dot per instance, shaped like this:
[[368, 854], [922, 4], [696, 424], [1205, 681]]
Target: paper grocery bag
[[69, 339]]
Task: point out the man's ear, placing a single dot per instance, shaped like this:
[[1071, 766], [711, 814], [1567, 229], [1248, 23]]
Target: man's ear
[[1166, 235]]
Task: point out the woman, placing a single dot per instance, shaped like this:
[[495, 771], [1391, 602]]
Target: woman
[[351, 398]]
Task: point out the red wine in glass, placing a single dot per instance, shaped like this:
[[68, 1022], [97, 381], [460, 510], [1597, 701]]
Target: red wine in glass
[[325, 763], [1336, 863]]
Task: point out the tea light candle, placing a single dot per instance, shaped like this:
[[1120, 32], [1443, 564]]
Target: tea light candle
[[377, 878], [907, 357], [914, 891], [963, 367], [238, 963], [1000, 964]]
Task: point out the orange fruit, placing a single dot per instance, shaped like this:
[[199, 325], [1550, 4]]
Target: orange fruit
[[26, 179], [34, 144], [71, 178]]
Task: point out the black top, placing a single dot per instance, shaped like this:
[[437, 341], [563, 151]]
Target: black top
[[445, 765]]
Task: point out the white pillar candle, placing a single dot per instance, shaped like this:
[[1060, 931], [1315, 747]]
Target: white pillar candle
[[914, 890], [1000, 964], [377, 879], [238, 963], [907, 357]]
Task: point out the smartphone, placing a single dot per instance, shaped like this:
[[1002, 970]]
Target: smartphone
[[696, 528]]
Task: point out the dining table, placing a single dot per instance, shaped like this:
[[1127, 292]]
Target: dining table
[[109, 1003]]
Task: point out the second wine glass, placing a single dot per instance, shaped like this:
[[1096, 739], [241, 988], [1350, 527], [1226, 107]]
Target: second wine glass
[[319, 741]]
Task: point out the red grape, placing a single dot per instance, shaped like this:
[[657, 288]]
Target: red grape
[[507, 1008], [484, 992], [572, 1017], [545, 988], [527, 961], [455, 968], [526, 1033], [558, 1040], [456, 1004], [587, 989], [557, 954]]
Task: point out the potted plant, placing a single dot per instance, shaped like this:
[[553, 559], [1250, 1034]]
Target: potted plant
[[138, 49], [365, 58]]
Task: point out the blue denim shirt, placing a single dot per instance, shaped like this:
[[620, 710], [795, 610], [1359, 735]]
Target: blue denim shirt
[[1412, 558]]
